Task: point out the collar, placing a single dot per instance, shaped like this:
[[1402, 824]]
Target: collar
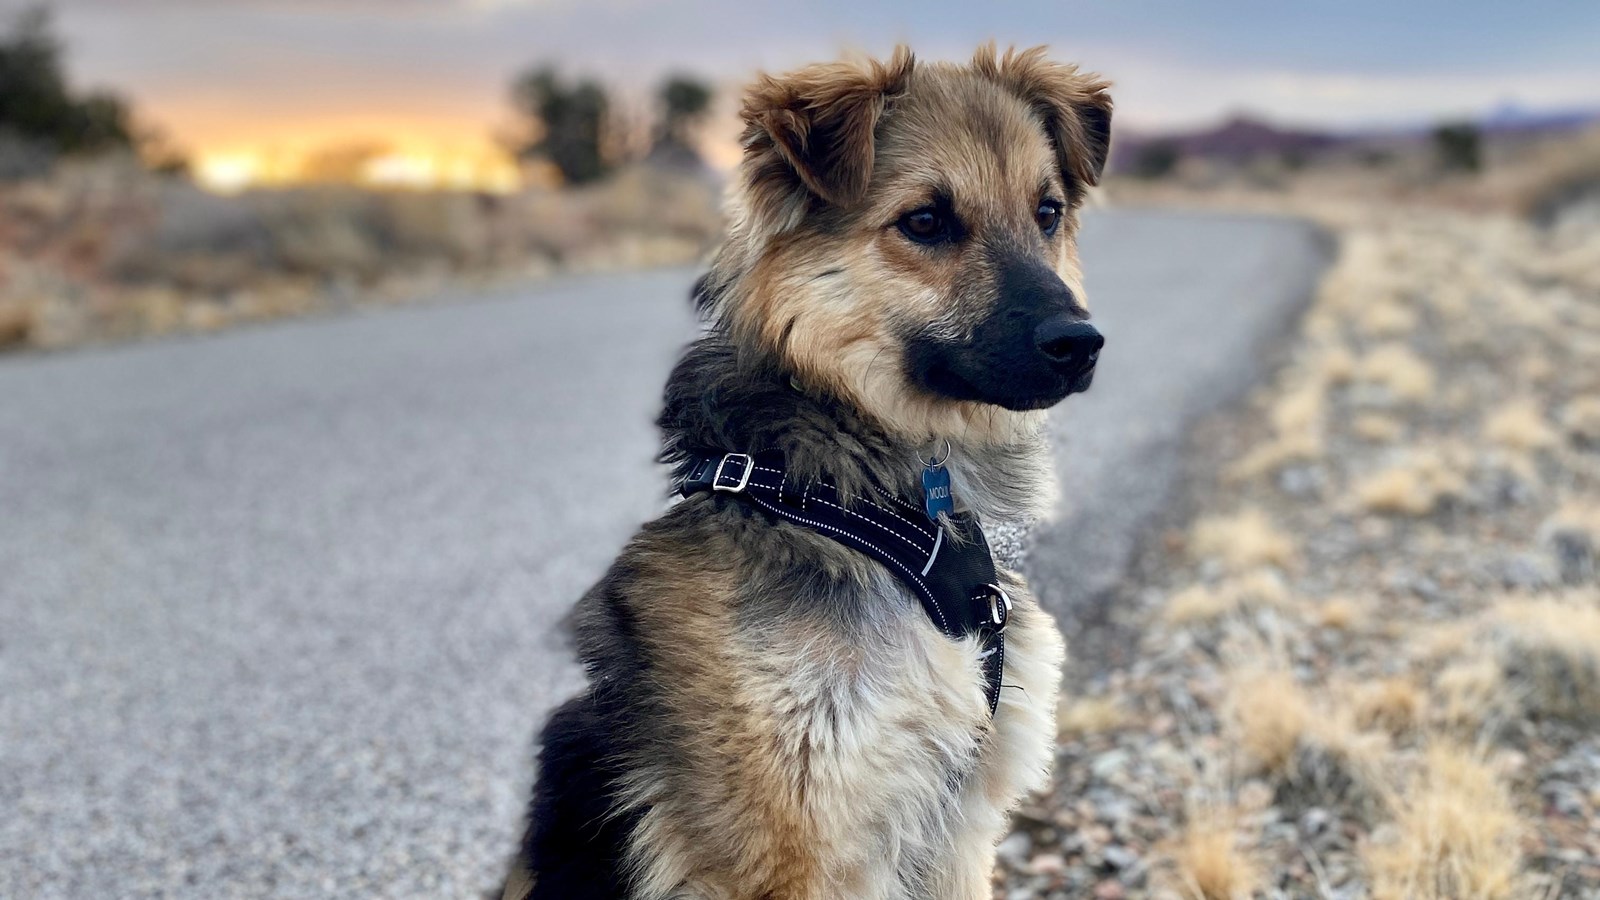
[[946, 563]]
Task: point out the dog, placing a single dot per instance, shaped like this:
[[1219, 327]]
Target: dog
[[779, 707]]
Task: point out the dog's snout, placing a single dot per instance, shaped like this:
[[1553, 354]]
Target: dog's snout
[[1069, 343]]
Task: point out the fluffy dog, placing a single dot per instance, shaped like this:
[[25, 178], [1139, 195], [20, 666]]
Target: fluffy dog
[[772, 714]]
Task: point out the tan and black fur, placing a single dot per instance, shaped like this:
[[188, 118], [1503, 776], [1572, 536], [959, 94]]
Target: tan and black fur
[[771, 715]]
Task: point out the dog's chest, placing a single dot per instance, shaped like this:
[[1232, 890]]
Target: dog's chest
[[904, 767]]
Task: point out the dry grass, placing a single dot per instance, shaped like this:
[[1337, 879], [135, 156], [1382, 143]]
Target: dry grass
[[1210, 863], [1377, 428], [1562, 170], [1395, 705], [1270, 714], [1415, 487], [1549, 654], [1342, 613], [1198, 604], [1581, 421], [1384, 319], [1449, 372], [1243, 541], [1406, 376], [1090, 715], [1455, 835], [1296, 418], [1467, 695], [1520, 425], [102, 250], [1573, 534], [1310, 745]]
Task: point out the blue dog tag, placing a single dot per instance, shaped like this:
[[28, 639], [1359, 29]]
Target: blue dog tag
[[936, 490]]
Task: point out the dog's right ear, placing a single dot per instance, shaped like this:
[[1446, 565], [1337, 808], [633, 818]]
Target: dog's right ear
[[813, 130]]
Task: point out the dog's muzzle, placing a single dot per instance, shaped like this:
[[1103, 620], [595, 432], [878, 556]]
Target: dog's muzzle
[[1033, 348]]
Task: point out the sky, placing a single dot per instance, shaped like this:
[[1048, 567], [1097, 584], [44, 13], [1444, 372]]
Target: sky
[[238, 79]]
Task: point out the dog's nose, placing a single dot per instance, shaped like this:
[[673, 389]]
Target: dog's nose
[[1070, 344]]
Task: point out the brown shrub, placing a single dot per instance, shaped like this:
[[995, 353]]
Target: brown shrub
[[1455, 836]]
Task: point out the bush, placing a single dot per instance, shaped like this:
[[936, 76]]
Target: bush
[[1458, 147], [38, 113], [567, 124], [1157, 159]]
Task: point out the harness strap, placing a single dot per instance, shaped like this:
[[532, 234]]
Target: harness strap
[[952, 575]]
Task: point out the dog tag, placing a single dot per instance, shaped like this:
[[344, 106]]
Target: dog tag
[[936, 490]]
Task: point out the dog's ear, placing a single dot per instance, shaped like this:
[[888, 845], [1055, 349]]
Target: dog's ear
[[814, 128], [1074, 106]]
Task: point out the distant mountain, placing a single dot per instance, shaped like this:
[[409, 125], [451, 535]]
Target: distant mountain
[[1245, 138], [1512, 117], [1237, 140]]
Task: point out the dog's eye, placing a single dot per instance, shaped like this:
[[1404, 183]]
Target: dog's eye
[[1048, 216], [925, 226]]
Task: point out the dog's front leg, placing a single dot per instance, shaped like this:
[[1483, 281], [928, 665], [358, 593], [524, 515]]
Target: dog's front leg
[[969, 876]]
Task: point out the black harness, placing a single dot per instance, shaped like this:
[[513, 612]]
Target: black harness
[[952, 574]]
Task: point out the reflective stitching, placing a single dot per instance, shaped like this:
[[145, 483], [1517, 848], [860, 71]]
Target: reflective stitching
[[868, 500], [915, 578], [991, 690], [907, 506], [999, 679], [896, 515], [850, 512]]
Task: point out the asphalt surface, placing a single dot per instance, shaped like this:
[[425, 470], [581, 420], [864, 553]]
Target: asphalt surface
[[278, 608]]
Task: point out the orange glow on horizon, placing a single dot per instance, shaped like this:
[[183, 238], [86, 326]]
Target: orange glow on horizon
[[417, 166]]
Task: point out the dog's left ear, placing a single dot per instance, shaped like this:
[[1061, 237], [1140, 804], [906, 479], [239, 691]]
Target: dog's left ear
[[1074, 106], [814, 130]]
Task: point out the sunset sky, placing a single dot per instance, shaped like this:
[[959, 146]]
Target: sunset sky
[[262, 82]]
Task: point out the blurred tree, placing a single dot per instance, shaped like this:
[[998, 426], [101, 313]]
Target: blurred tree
[[1156, 159], [36, 104], [160, 155], [684, 102], [566, 124], [1459, 147]]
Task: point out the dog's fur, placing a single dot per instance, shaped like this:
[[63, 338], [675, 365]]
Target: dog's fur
[[771, 715]]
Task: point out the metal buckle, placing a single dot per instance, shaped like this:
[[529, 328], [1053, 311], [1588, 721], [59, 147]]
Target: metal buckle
[[996, 598], [744, 478]]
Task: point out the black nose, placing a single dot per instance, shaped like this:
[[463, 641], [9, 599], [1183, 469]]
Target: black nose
[[1070, 344]]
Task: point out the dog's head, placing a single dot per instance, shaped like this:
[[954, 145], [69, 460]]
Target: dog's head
[[904, 234]]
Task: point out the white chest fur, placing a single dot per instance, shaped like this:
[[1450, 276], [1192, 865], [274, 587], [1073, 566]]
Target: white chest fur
[[904, 780]]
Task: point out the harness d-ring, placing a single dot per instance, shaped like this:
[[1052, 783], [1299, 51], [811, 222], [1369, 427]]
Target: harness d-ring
[[996, 598]]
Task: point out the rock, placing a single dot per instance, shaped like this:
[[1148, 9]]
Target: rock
[[1049, 864], [1110, 889], [1015, 849], [1109, 763], [1315, 821], [1523, 572], [1300, 481], [1575, 555], [1255, 796], [1119, 857]]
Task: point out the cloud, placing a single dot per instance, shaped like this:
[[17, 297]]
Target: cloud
[[199, 64], [1160, 94]]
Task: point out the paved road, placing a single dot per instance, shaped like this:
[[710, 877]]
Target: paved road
[[277, 608]]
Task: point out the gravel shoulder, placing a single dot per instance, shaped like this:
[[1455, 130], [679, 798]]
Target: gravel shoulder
[[1361, 655]]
